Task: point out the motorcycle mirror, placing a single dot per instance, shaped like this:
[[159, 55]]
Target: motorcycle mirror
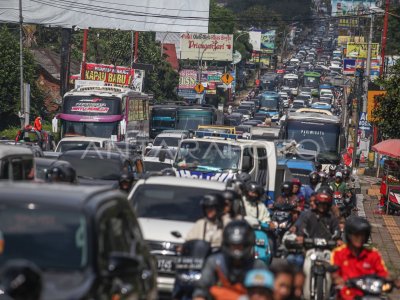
[[176, 234]]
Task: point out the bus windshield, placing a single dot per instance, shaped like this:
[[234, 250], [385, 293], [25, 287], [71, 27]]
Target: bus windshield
[[91, 105], [269, 102], [290, 82], [320, 137], [207, 156], [96, 129], [163, 119], [190, 119]]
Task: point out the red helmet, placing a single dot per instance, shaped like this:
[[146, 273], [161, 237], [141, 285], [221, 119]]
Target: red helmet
[[296, 181], [323, 198]]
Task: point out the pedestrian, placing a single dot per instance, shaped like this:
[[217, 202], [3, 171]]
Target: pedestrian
[[37, 125]]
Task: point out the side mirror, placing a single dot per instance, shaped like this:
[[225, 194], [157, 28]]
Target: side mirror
[[246, 165], [123, 265]]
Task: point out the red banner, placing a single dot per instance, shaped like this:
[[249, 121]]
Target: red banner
[[108, 73]]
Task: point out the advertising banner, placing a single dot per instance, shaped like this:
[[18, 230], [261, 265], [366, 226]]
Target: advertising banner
[[108, 73], [268, 41], [348, 23], [206, 46], [89, 105], [255, 39], [351, 7], [344, 39], [360, 50], [372, 103], [137, 83], [187, 79], [138, 110], [349, 66]]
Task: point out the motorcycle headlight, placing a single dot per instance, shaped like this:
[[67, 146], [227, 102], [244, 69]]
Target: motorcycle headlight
[[283, 224], [313, 256]]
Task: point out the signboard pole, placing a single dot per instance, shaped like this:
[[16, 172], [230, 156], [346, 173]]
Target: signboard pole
[[364, 106], [384, 34], [359, 76]]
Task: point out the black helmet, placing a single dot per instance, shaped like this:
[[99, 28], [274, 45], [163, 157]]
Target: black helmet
[[243, 177], [235, 201], [61, 173], [346, 173], [332, 169], [287, 188], [318, 166], [230, 195], [213, 200], [314, 178], [238, 233], [357, 225], [256, 188], [21, 280]]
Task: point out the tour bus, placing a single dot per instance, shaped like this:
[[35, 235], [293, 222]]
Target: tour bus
[[103, 111], [270, 104], [315, 132], [221, 158], [291, 81], [185, 117], [312, 80]]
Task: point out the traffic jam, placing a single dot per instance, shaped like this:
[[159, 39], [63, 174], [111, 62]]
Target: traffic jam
[[129, 198]]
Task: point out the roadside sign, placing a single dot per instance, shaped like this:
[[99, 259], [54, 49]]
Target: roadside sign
[[199, 88], [363, 124], [227, 78]]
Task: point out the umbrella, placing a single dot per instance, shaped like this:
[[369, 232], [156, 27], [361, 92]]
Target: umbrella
[[389, 147]]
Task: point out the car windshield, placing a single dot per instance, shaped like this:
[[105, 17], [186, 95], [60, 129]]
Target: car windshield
[[77, 145], [156, 152], [97, 166], [167, 141], [44, 235], [208, 156], [167, 202]]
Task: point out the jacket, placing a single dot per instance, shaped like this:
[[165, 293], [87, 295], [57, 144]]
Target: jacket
[[312, 225], [257, 210], [206, 230]]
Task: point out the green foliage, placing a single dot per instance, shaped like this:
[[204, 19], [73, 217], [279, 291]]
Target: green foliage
[[388, 108], [222, 20], [10, 80], [393, 35], [11, 132], [242, 44]]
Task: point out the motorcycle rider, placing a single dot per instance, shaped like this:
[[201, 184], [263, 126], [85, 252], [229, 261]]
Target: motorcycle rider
[[126, 182], [318, 166], [338, 185], [61, 174], [209, 228], [353, 259], [331, 174], [259, 284], [224, 273], [233, 209], [315, 183], [299, 191], [254, 205], [286, 197]]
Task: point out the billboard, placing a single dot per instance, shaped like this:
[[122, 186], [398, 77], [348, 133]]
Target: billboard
[[360, 50], [348, 23], [108, 73], [372, 103], [187, 79], [344, 39], [255, 40], [349, 66], [268, 41], [217, 47], [351, 7], [140, 15]]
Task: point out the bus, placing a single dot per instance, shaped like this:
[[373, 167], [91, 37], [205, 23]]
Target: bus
[[291, 81], [315, 132], [184, 117], [103, 111], [312, 80]]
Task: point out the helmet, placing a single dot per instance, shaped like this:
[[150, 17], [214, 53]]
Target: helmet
[[323, 176], [61, 173], [287, 188], [125, 182], [213, 200], [256, 188], [238, 233], [21, 280], [339, 175], [332, 169], [346, 173], [243, 177], [323, 198], [259, 279], [230, 195], [318, 166], [296, 181], [325, 190], [314, 178], [357, 225]]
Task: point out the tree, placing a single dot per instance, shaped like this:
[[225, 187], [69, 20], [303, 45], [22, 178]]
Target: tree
[[388, 109], [222, 20], [10, 79]]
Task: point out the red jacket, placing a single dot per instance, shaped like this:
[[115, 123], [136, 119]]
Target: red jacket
[[367, 263], [38, 124]]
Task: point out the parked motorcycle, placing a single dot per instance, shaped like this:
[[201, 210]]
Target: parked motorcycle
[[372, 286], [188, 267], [394, 201]]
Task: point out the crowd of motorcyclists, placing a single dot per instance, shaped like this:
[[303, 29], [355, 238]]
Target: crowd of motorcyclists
[[322, 247]]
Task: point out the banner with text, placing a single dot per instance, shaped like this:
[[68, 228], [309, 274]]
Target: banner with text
[[360, 50], [344, 39], [348, 23], [351, 7], [108, 73], [268, 41], [187, 79], [206, 46]]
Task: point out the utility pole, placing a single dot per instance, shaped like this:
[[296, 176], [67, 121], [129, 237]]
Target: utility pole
[[21, 64], [368, 69], [384, 35], [359, 75]]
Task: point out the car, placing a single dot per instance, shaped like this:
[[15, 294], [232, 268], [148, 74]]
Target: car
[[167, 207], [102, 167], [253, 122], [86, 241], [16, 163], [245, 112], [159, 158], [80, 143], [129, 149], [232, 120], [169, 139], [298, 104]]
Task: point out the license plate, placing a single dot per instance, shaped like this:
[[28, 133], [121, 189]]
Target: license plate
[[260, 242], [188, 263], [165, 264]]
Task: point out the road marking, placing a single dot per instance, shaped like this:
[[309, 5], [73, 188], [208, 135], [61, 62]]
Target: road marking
[[360, 205]]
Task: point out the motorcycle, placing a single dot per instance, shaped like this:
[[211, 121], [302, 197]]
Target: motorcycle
[[282, 216], [342, 203], [262, 248], [372, 286], [317, 268], [188, 267], [394, 201]]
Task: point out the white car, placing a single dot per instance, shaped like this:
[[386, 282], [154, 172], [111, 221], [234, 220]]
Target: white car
[[80, 143], [167, 207]]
